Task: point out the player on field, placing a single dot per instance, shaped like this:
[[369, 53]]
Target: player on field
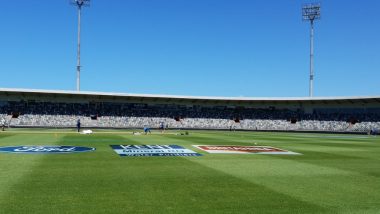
[[162, 127], [3, 125], [146, 129], [78, 125]]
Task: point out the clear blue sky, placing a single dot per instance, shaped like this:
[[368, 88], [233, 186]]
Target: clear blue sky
[[192, 47]]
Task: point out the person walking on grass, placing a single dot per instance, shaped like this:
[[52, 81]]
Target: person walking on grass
[[3, 125], [78, 125]]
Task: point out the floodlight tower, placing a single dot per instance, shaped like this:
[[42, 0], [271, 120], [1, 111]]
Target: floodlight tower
[[311, 12], [79, 4]]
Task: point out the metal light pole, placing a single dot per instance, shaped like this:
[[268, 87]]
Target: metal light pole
[[79, 4], [310, 13]]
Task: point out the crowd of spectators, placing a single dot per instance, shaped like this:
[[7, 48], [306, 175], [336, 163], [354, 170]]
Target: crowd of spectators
[[136, 115]]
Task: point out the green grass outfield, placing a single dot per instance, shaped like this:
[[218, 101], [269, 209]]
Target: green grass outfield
[[334, 174]]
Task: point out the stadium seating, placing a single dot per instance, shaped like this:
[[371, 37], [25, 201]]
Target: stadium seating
[[127, 115]]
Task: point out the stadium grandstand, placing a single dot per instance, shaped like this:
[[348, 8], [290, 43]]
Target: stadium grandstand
[[62, 109]]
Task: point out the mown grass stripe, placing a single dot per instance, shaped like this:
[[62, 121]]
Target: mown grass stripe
[[332, 176]]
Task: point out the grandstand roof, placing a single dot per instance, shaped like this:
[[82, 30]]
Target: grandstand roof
[[193, 99]]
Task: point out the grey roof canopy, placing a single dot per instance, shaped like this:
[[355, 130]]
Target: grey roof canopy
[[108, 96]]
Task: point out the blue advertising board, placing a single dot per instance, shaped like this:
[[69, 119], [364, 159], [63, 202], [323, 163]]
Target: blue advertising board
[[45, 149]]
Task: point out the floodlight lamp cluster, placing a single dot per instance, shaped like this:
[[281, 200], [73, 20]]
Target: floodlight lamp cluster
[[80, 3], [311, 12]]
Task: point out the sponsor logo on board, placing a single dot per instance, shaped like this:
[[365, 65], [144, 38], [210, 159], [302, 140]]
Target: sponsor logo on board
[[153, 150], [45, 149], [216, 149]]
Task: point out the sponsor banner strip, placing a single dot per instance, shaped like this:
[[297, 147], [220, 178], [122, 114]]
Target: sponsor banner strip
[[45, 149], [153, 150], [228, 149]]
